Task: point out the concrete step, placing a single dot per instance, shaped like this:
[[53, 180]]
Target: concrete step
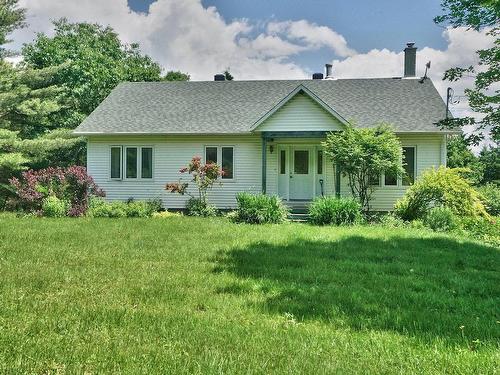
[[298, 217]]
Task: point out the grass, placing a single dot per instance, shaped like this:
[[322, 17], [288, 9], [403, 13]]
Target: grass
[[186, 295]]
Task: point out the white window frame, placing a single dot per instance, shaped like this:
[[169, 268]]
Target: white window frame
[[219, 158], [414, 147], [121, 162], [399, 181]]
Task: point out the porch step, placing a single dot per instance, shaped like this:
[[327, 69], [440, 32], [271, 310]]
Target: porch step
[[298, 217]]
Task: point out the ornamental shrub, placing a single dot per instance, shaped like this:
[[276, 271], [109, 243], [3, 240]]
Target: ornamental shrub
[[54, 207], [441, 219], [440, 187], [391, 221], [260, 209], [199, 207], [335, 211], [482, 229], [100, 208], [490, 195], [71, 184]]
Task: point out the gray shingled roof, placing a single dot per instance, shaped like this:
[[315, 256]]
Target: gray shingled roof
[[235, 106]]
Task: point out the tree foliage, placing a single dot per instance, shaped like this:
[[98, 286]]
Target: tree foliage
[[460, 156], [94, 60], [484, 97], [490, 159], [176, 76], [11, 18], [364, 153]]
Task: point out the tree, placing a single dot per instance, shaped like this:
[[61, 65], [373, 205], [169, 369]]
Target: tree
[[227, 75], [95, 62], [460, 156], [11, 18], [490, 158], [362, 154], [483, 98], [176, 76]]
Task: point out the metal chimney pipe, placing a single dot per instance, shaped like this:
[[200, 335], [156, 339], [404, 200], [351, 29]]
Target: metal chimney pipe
[[328, 70]]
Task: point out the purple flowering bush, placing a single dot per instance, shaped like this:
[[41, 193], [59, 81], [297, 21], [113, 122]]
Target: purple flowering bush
[[72, 185]]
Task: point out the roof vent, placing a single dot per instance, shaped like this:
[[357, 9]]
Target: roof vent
[[329, 72], [317, 75], [219, 77]]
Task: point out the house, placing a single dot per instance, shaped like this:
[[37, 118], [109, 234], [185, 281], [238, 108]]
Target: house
[[266, 135]]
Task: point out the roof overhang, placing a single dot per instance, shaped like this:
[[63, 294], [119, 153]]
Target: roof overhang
[[286, 99]]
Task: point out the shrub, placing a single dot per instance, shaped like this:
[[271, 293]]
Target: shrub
[[166, 214], [100, 208], [441, 219], [260, 209], [199, 207], [335, 211], [139, 209], [391, 221], [204, 176], [440, 187], [482, 229], [71, 184], [490, 195], [54, 207]]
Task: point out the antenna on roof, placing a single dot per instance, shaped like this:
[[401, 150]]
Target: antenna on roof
[[427, 67]]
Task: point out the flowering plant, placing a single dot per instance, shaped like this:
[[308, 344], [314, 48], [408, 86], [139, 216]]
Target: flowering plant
[[71, 184], [204, 177]]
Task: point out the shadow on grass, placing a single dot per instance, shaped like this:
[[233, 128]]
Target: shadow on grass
[[427, 288]]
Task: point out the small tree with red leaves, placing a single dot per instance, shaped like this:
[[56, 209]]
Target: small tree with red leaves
[[204, 176]]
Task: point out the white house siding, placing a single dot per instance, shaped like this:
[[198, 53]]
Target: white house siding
[[431, 152], [301, 113], [169, 155]]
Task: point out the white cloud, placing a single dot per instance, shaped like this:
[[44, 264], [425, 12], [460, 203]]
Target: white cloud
[[312, 35], [183, 35], [461, 52]]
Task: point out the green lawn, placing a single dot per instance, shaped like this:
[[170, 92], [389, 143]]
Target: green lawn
[[185, 295]]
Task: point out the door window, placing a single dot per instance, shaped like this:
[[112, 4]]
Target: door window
[[301, 162]]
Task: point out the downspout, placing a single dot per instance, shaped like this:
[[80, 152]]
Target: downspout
[[337, 181], [264, 163]]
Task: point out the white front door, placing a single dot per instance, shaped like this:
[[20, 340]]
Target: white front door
[[301, 173]]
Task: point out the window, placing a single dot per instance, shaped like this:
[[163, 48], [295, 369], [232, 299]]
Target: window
[[282, 162], [222, 156], [390, 179], [116, 162], [227, 163], [136, 162], [131, 162], [374, 180], [211, 155], [146, 162], [320, 162], [409, 165], [301, 162]]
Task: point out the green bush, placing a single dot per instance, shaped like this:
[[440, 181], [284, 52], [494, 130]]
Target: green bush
[[482, 229], [441, 219], [197, 207], [335, 211], [54, 207], [440, 187], [260, 209], [138, 209], [100, 208], [391, 221], [491, 198]]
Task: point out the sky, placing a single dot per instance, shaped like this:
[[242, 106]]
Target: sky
[[277, 39]]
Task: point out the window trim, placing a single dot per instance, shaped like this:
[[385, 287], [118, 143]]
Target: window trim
[[111, 147], [414, 147], [123, 164], [219, 159], [399, 181]]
